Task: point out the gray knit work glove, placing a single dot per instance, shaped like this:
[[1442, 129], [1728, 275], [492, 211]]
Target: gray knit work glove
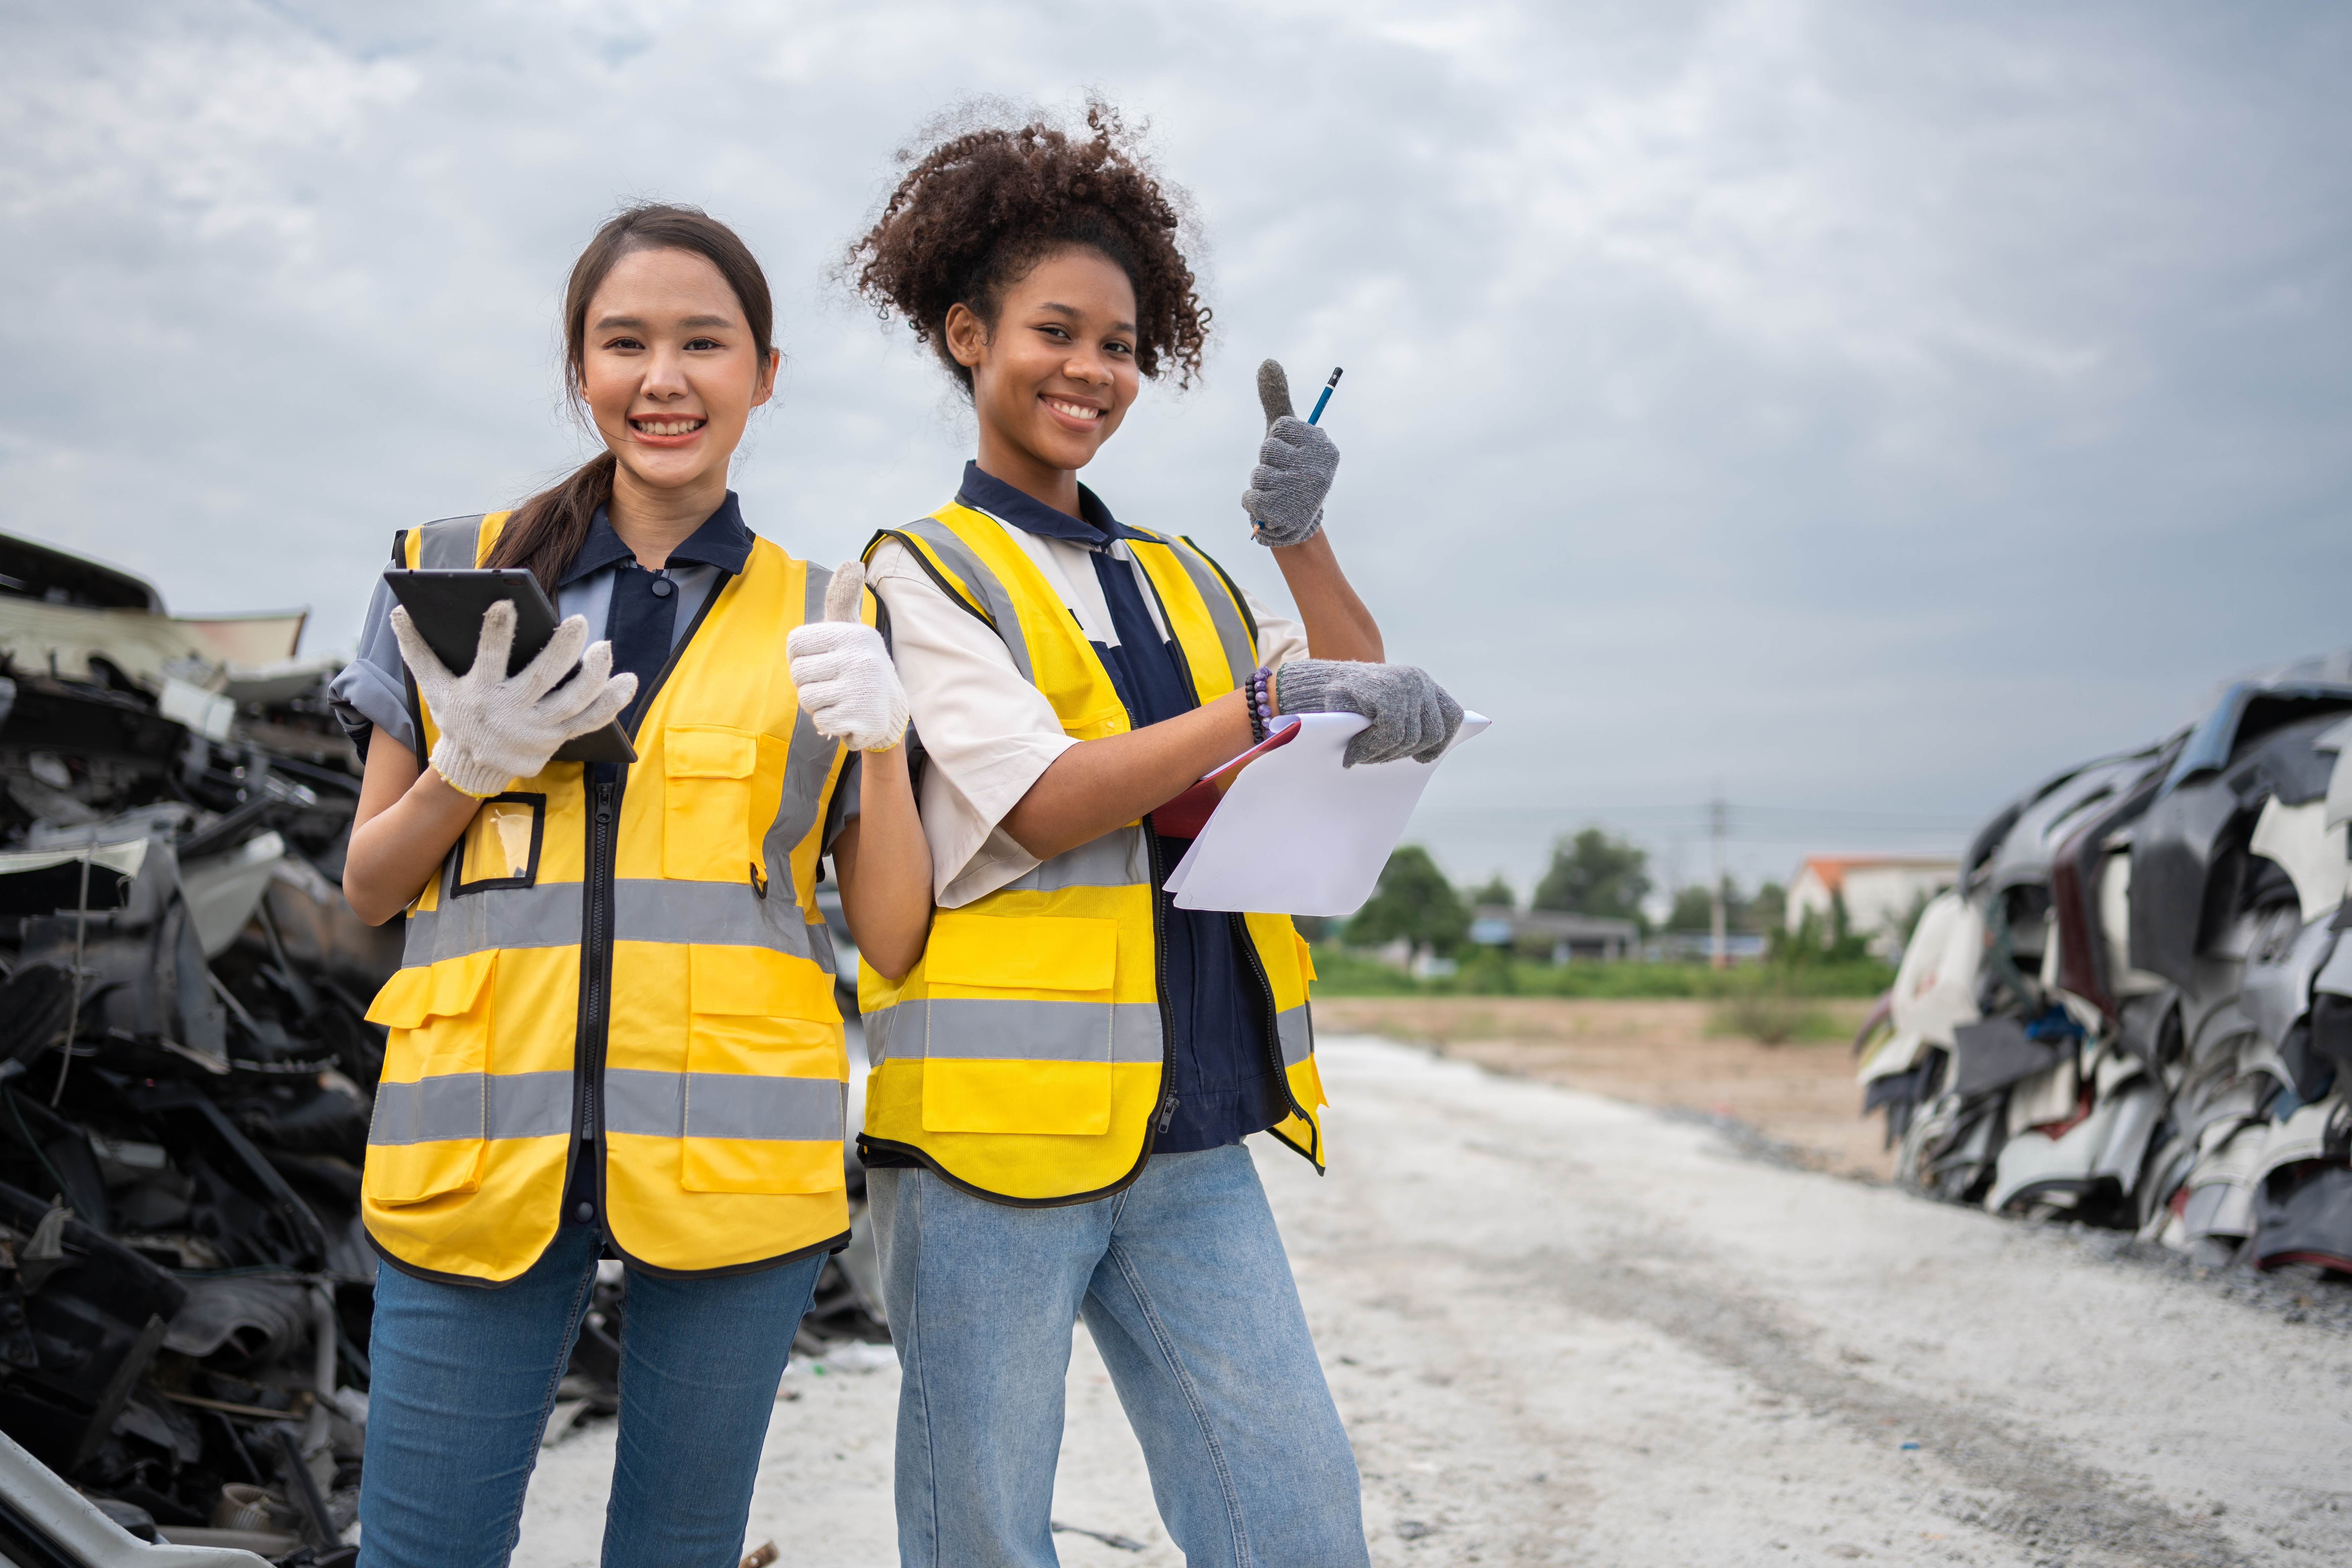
[[497, 728], [1412, 715], [1295, 465]]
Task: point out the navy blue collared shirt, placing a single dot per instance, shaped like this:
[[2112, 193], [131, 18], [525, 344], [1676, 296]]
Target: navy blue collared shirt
[[1225, 1083], [647, 612]]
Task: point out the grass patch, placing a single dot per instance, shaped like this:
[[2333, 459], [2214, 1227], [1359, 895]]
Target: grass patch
[[1770, 1017], [1338, 973], [1491, 973]]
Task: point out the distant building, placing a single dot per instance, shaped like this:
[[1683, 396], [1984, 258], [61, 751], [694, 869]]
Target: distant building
[[1880, 892], [1698, 947], [1563, 936]]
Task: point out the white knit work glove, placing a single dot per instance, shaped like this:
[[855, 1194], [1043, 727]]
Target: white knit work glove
[[497, 728], [843, 669]]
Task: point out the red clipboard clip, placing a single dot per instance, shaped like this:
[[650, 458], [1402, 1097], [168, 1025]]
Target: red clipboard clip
[[1184, 817]]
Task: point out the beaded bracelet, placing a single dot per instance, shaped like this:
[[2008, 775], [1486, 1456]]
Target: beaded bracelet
[[1261, 704]]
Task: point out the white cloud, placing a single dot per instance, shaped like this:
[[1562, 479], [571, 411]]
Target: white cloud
[[1858, 405]]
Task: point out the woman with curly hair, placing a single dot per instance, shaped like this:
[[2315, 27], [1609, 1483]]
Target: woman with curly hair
[[1061, 1086]]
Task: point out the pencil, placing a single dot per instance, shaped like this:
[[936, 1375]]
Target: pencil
[[1325, 398]]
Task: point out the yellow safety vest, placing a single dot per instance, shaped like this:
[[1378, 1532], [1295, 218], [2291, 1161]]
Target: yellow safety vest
[[643, 961], [1026, 1057]]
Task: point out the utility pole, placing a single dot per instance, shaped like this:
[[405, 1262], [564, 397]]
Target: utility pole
[[1718, 817]]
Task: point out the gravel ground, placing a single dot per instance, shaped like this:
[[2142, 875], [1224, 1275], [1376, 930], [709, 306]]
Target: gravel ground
[[1565, 1330]]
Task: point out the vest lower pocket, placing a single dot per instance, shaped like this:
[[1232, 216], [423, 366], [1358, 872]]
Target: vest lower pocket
[[1068, 1098], [396, 1175], [764, 1094], [430, 1131], [1019, 1026]]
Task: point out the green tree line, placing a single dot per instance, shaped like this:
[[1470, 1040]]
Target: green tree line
[[1591, 872]]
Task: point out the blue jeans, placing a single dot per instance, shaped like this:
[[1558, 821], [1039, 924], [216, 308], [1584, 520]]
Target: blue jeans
[[1185, 1286], [465, 1379]]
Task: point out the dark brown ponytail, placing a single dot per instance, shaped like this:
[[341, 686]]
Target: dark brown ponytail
[[545, 534]]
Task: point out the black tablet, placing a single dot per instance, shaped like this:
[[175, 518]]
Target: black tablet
[[448, 606]]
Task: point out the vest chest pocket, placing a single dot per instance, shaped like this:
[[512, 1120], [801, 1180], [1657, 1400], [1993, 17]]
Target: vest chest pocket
[[765, 1075], [430, 1128], [1019, 1034], [708, 773]]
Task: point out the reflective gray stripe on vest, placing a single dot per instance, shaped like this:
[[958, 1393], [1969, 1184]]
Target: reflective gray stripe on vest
[[875, 1025], [971, 1029], [808, 763], [1117, 860], [1136, 1027], [546, 916], [450, 543], [1298, 1035], [724, 1105], [644, 909], [949, 548], [1232, 633], [473, 1105]]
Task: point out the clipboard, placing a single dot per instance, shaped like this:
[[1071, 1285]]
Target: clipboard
[[1300, 832], [1184, 817], [448, 607]]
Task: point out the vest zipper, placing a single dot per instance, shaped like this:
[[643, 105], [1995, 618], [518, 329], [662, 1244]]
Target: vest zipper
[[1273, 1015], [1158, 1124], [594, 1027], [595, 976]]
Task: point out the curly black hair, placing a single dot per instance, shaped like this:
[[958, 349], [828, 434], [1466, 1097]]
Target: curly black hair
[[988, 200]]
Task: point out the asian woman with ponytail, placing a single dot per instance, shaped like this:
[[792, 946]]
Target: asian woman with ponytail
[[613, 1034]]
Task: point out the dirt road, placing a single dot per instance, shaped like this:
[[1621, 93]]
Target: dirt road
[[1564, 1330]]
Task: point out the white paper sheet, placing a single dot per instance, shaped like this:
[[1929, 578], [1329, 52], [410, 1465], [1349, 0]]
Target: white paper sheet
[[1299, 834]]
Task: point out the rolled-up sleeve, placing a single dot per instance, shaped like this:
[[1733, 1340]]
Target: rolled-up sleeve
[[1280, 639], [987, 733], [371, 693]]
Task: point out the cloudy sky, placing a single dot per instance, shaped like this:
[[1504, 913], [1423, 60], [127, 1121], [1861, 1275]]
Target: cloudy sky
[[1853, 411]]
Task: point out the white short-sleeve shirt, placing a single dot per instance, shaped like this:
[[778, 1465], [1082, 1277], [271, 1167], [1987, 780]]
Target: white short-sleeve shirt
[[989, 734]]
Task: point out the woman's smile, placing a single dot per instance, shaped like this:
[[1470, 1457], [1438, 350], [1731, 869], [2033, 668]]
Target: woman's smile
[[666, 429], [1077, 415]]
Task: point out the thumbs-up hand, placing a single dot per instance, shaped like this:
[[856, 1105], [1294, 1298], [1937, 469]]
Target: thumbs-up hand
[[847, 685], [1295, 465]]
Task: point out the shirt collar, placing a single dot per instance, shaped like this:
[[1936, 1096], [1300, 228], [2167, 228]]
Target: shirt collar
[[722, 542], [1094, 527]]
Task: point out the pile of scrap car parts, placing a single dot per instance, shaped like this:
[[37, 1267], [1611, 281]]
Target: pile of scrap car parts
[[2136, 1010], [185, 1073]]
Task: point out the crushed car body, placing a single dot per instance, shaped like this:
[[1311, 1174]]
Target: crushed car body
[[2136, 1010]]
